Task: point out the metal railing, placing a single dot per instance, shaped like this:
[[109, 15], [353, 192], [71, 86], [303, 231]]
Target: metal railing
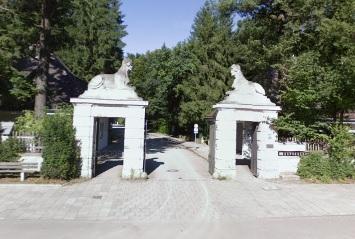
[[32, 142]]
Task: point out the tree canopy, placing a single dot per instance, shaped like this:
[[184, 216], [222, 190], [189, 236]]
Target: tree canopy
[[302, 52], [87, 35]]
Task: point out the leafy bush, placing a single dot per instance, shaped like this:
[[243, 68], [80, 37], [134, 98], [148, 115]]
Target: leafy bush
[[60, 153], [162, 126], [339, 164], [28, 123], [287, 126], [315, 166], [10, 150], [341, 152]]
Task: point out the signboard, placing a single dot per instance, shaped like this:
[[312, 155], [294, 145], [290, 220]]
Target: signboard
[[195, 128]]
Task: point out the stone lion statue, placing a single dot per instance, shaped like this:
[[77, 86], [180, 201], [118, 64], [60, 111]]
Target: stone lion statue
[[119, 80], [112, 86], [242, 84]]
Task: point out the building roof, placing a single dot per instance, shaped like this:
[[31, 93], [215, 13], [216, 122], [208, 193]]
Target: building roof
[[6, 128], [62, 83]]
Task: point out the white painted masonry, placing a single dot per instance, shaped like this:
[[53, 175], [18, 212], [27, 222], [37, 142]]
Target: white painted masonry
[[289, 164], [246, 103], [110, 96]]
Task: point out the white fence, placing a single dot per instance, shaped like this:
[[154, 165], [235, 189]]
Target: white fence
[[311, 145], [31, 141]]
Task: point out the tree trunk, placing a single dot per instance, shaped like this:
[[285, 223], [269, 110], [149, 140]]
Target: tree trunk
[[341, 116], [273, 88], [43, 67]]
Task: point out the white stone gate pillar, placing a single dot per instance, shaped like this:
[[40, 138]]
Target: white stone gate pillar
[[247, 102], [268, 166], [83, 123], [134, 144], [225, 146], [110, 96]]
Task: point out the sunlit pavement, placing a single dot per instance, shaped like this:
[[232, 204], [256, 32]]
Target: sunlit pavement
[[179, 199]]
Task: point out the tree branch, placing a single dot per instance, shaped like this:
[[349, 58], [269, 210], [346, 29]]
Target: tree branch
[[6, 9]]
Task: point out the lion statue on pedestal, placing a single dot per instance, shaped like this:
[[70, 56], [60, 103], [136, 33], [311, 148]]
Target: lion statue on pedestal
[[113, 81], [112, 86]]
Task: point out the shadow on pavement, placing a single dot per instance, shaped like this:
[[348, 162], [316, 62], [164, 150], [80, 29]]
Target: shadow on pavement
[[242, 162], [151, 165], [107, 165], [159, 145]]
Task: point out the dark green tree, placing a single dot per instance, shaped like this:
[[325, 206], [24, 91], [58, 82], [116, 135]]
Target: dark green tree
[[305, 49], [30, 29], [211, 46], [95, 38], [157, 76], [184, 82]]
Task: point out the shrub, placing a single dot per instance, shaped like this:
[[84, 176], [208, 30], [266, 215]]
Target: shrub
[[163, 126], [10, 150], [315, 166], [60, 153], [28, 123], [341, 152], [339, 164]]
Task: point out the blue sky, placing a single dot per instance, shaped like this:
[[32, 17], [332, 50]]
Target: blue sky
[[151, 23]]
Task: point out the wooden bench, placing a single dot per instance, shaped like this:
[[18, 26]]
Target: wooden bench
[[22, 168]]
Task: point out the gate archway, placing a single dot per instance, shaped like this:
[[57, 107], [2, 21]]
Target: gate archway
[[108, 97], [240, 127]]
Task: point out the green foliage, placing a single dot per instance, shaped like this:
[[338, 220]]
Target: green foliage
[[302, 52], [27, 122], [286, 125], [183, 83], [95, 38], [163, 127], [315, 166], [19, 34], [85, 34], [60, 153], [10, 150], [339, 164], [341, 152], [11, 48], [212, 48]]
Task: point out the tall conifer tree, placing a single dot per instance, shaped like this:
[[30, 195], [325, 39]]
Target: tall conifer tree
[[211, 45], [96, 36]]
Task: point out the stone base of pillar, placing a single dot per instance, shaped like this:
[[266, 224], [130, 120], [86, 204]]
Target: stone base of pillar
[[85, 173], [223, 174], [133, 174]]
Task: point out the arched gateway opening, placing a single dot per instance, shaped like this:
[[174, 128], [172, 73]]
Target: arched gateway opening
[[108, 144], [109, 119]]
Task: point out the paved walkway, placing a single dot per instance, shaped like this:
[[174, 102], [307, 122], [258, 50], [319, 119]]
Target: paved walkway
[[179, 189]]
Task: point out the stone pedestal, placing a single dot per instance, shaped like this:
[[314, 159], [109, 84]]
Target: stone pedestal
[[86, 110], [246, 103], [111, 96]]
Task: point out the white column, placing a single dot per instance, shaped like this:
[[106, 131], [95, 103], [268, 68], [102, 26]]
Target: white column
[[225, 146], [267, 164], [83, 123], [134, 144]]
